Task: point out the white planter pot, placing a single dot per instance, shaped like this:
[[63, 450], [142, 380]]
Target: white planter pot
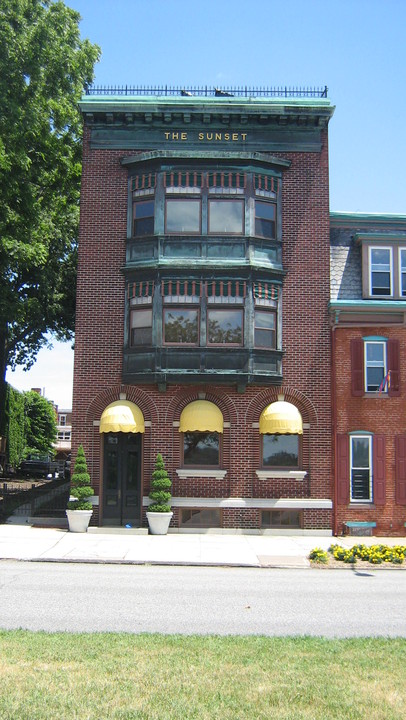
[[159, 522], [78, 520]]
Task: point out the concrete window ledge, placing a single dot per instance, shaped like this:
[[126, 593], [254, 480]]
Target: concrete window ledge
[[281, 474], [216, 474]]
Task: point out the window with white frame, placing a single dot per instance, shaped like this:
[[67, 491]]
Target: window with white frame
[[375, 364], [380, 271], [361, 468], [402, 271]]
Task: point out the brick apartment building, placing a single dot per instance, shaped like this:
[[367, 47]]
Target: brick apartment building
[[368, 316], [203, 327]]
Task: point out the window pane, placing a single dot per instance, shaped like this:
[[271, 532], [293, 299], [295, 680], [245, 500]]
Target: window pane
[[226, 216], [360, 452], [264, 331], [265, 219], [375, 365], [380, 271], [224, 327], [200, 518], [201, 448], [183, 216], [143, 218], [181, 326], [280, 450], [281, 518], [360, 485], [141, 327]]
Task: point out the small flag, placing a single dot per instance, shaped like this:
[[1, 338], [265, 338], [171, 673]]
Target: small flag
[[385, 384]]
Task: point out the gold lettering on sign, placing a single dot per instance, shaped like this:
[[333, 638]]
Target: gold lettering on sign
[[207, 136]]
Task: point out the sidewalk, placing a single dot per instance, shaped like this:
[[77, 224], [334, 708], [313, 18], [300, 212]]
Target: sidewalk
[[103, 545]]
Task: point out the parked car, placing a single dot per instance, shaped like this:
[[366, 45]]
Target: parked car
[[39, 466]]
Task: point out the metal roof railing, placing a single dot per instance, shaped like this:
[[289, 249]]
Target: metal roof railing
[[206, 91]]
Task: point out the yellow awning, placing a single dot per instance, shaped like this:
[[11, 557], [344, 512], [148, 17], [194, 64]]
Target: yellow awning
[[201, 415], [281, 418], [122, 416]]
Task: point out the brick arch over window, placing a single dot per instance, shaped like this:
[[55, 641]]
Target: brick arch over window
[[270, 395], [133, 394], [188, 395]]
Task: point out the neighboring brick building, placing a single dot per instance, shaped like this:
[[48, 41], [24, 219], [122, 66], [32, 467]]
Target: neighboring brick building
[[368, 312], [202, 327]]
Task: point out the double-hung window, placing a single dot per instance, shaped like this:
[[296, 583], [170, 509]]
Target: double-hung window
[[402, 271], [380, 271], [375, 365], [361, 468]]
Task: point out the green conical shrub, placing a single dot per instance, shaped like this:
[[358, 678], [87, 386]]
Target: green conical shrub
[[160, 488], [80, 484]]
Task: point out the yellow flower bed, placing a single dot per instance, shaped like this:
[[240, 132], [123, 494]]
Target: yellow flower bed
[[374, 554]]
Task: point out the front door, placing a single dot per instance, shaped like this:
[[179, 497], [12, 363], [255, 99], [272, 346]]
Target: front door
[[122, 479]]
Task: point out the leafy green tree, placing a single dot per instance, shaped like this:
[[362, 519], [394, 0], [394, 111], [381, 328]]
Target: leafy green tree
[[44, 66], [40, 424]]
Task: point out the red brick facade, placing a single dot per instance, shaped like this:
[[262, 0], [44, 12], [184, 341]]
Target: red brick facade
[[100, 339]]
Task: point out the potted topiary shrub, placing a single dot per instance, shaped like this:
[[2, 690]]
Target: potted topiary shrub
[[159, 512], [80, 509]]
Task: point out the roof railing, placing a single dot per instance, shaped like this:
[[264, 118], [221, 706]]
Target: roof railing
[[206, 91]]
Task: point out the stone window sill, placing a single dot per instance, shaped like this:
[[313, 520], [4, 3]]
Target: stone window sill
[[183, 473], [281, 474]]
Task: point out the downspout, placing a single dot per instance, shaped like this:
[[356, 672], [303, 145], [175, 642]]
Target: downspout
[[334, 420]]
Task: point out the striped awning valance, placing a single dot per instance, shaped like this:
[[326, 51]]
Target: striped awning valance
[[226, 180], [265, 291], [145, 181], [145, 288], [226, 288], [266, 182], [178, 178], [190, 288]]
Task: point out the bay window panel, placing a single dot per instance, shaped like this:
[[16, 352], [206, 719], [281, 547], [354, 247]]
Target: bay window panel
[[225, 327], [183, 216], [141, 327], [143, 217], [265, 225], [181, 325], [265, 329], [226, 216]]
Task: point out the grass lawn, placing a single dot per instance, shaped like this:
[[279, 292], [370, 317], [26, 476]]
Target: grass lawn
[[155, 677]]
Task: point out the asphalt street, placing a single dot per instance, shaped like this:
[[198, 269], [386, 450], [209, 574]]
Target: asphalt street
[[190, 600]]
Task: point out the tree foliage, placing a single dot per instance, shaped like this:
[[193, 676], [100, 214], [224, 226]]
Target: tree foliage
[[15, 426], [161, 484], [44, 66], [39, 424]]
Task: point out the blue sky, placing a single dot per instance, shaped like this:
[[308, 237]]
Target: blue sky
[[355, 47]]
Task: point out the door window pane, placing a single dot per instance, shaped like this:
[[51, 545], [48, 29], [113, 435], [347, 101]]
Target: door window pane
[[280, 450], [226, 216], [183, 216], [201, 448], [181, 325], [265, 225], [224, 327]]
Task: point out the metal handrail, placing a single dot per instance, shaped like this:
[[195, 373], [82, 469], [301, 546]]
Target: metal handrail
[[207, 91]]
